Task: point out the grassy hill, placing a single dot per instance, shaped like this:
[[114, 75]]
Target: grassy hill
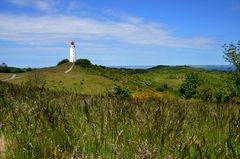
[[78, 80], [159, 81], [99, 112]]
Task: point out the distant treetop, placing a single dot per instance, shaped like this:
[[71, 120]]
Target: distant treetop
[[83, 62], [3, 64], [232, 54]]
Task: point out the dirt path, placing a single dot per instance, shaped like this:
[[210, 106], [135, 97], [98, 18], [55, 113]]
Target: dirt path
[[14, 76], [11, 78], [70, 69]]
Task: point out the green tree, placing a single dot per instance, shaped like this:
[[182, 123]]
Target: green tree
[[188, 88], [232, 54]]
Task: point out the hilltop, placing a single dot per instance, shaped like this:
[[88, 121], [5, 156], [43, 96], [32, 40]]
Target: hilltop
[[159, 81]]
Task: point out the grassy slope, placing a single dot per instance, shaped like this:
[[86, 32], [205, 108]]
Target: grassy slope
[[97, 80], [5, 75], [77, 80], [38, 123], [173, 76]]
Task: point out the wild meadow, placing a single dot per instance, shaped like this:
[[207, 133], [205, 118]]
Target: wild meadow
[[37, 122], [98, 112]]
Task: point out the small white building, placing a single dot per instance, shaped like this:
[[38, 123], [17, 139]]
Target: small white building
[[72, 52]]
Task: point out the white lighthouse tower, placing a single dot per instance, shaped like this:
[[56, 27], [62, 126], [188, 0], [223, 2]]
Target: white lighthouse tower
[[72, 52]]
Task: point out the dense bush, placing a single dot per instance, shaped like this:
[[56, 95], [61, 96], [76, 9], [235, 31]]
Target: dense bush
[[163, 88], [205, 92], [63, 61], [229, 89], [11, 70], [223, 94], [225, 90], [120, 91], [5, 69], [189, 86], [83, 62], [235, 78]]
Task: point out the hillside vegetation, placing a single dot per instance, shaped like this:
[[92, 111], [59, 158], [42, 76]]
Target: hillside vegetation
[[157, 82], [99, 112], [40, 123]]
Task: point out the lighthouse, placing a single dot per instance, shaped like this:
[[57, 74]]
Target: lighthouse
[[72, 52]]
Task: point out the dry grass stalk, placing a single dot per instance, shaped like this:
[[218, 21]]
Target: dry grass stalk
[[2, 146]]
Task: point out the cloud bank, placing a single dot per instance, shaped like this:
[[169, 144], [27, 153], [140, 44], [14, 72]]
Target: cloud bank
[[56, 28]]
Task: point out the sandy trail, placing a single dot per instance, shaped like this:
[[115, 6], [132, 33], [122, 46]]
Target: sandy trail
[[70, 69]]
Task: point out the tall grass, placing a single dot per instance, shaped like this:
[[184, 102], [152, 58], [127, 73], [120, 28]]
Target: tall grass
[[39, 123]]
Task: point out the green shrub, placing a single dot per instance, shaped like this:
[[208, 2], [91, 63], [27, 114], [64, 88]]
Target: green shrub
[[223, 94], [120, 91], [163, 87], [205, 92], [28, 69], [83, 62], [235, 78], [189, 86], [6, 69], [63, 61]]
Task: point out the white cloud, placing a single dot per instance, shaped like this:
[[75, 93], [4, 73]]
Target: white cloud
[[61, 28], [41, 5], [20, 2]]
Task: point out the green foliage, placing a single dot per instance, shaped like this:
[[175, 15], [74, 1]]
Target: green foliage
[[11, 70], [232, 54], [223, 94], [63, 61], [205, 92], [83, 62], [28, 69], [235, 81], [229, 89], [223, 90], [120, 91], [163, 88], [5, 69], [189, 86]]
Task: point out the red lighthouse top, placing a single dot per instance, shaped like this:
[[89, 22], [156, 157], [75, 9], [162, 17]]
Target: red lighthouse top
[[72, 43]]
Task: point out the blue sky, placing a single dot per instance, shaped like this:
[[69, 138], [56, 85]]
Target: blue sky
[[37, 33]]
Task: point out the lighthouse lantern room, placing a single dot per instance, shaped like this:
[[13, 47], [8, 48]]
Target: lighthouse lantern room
[[72, 52]]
